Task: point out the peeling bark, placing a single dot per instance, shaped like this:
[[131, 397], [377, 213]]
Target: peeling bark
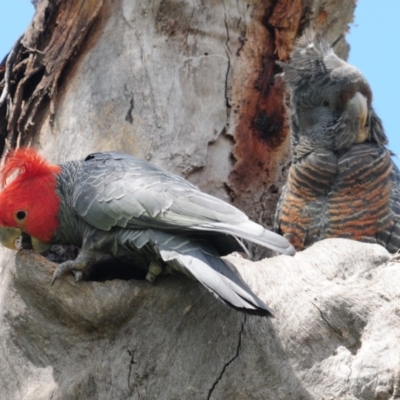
[[39, 62]]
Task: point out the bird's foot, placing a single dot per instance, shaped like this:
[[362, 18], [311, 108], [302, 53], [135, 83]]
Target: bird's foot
[[77, 274], [155, 269], [75, 266], [62, 269]]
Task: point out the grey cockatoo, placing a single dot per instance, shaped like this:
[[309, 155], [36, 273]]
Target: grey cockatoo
[[114, 204], [342, 181]]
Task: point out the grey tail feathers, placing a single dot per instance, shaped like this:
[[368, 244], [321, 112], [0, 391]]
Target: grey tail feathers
[[218, 277]]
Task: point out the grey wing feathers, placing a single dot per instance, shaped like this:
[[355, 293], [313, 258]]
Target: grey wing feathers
[[116, 189], [234, 292], [252, 232], [149, 196], [198, 260]]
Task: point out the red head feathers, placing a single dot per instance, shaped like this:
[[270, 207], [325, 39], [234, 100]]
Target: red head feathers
[[29, 201], [28, 163]]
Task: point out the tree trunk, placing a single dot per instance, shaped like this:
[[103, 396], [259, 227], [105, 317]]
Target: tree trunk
[[189, 86], [335, 336], [186, 85]]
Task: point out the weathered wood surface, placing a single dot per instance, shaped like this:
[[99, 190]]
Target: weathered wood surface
[[336, 334], [189, 86]]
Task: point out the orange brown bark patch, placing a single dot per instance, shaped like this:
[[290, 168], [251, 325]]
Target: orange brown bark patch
[[261, 129], [321, 17], [285, 20]]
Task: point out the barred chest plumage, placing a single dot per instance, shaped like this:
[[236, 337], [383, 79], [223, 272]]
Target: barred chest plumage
[[333, 194]]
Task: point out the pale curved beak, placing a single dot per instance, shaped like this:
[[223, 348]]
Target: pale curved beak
[[9, 237], [359, 106], [39, 246], [12, 239]]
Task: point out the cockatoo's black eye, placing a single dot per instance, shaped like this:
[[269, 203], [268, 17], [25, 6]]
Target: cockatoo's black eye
[[21, 215], [325, 103]]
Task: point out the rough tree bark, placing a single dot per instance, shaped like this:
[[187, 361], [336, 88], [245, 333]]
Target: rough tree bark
[[188, 85]]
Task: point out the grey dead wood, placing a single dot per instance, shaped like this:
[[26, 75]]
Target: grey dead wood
[[188, 86], [336, 334]]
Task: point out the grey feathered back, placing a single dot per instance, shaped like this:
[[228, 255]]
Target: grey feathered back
[[133, 210]]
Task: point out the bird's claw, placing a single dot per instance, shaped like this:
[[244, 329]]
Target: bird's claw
[[64, 268], [155, 269], [77, 274]]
